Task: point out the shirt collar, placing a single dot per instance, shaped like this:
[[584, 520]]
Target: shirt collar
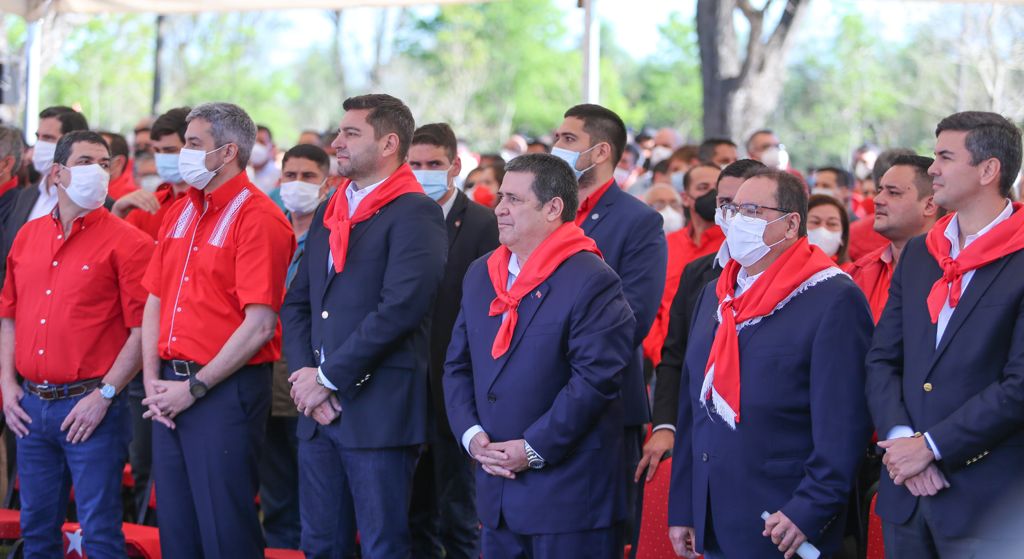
[[220, 197], [356, 196], [744, 281], [886, 255], [446, 208], [89, 218], [952, 231], [43, 190], [513, 266]]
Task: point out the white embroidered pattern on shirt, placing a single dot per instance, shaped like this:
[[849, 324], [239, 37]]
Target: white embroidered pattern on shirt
[[227, 218]]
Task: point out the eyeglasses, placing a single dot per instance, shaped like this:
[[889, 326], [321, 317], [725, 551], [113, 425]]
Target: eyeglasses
[[731, 210]]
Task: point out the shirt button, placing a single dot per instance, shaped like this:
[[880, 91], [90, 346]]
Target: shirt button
[[54, 263], [492, 398], [195, 249], [40, 352], [324, 315], [59, 237], [179, 309], [704, 457], [927, 387], [186, 278], [49, 291], [174, 338], [43, 321]]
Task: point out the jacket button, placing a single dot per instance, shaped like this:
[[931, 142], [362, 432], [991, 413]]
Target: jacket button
[[927, 387], [324, 315], [492, 398], [705, 457]]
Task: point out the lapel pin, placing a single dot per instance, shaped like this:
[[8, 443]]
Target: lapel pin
[[594, 216], [458, 223], [537, 294]]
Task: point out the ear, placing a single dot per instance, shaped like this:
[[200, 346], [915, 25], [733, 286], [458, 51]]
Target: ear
[[390, 145], [793, 227], [931, 209], [990, 171], [602, 153], [8, 163], [230, 152], [557, 206], [120, 160], [686, 200], [457, 166]]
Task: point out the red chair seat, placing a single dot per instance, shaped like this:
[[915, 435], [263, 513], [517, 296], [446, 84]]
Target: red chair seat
[[653, 542], [271, 553], [10, 524], [876, 546]]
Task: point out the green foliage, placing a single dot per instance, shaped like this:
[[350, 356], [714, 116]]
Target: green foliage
[[668, 87]]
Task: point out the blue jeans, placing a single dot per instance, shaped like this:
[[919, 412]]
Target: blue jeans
[[44, 460]]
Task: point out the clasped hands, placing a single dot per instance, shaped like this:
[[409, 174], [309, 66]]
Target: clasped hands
[[783, 532], [500, 459], [313, 399], [910, 463]]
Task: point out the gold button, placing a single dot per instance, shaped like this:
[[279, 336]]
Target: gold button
[[927, 387]]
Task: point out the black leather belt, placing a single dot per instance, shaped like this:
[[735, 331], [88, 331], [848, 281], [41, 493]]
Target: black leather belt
[[184, 368], [60, 391]]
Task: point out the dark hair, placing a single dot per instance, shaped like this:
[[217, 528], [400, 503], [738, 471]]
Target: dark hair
[[989, 135], [842, 175], [438, 134], [843, 256], [790, 194], [920, 164], [552, 178], [686, 153], [70, 119], [547, 148], [12, 144], [602, 125], [497, 168], [884, 161], [758, 133], [263, 128], [62, 152], [686, 177], [312, 152], [661, 167], [388, 115], [741, 169], [118, 145], [632, 150], [171, 122], [707, 148]]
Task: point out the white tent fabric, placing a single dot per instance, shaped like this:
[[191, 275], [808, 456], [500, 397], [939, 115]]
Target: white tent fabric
[[34, 9]]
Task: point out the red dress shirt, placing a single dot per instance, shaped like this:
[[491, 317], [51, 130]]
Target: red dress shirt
[[864, 239], [681, 251], [588, 204], [74, 299], [209, 264], [873, 274], [150, 223]]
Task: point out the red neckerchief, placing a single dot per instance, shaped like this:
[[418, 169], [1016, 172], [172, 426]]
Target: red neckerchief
[[780, 280], [1005, 238], [564, 242], [336, 218]]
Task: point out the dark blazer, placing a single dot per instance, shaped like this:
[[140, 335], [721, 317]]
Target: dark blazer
[[967, 394], [632, 241], [371, 320], [472, 233], [803, 423], [696, 275], [557, 387]]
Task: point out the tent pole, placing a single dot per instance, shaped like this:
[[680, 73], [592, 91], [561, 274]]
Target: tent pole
[[591, 53], [33, 54]]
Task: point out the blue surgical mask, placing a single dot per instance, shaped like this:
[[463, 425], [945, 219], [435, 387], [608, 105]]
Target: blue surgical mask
[[167, 167], [571, 157], [434, 182]]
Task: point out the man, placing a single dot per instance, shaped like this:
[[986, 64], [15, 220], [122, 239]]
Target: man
[[309, 136], [147, 210], [122, 180], [759, 142], [664, 143], [664, 199], [443, 518], [904, 208], [356, 318], [209, 338], [784, 333], [533, 374], [12, 148], [142, 141], [943, 382], [700, 236], [629, 234], [71, 311], [627, 170], [304, 172], [38, 200], [834, 182], [682, 160], [863, 237], [718, 151], [695, 276], [265, 173]]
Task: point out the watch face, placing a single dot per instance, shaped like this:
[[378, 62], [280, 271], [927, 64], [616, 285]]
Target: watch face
[[108, 391], [197, 389]]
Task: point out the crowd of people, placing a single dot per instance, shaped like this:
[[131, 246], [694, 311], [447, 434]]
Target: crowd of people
[[380, 344]]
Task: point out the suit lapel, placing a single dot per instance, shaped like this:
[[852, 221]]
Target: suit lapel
[[357, 232], [601, 210], [528, 307], [455, 217], [983, 278]]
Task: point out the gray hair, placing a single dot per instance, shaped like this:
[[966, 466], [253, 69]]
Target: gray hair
[[229, 124], [12, 144]]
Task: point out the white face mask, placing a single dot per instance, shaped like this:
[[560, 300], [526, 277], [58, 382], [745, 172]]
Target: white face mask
[[88, 188], [433, 181], [776, 157], [300, 197], [659, 154], [192, 166], [824, 191], [621, 175], [259, 155], [677, 180], [42, 156], [150, 183], [721, 221], [746, 239], [828, 241], [672, 220], [571, 157]]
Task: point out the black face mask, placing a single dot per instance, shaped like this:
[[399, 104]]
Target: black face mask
[[705, 205]]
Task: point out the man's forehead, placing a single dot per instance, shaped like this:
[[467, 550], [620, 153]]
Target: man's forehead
[[571, 124], [516, 182], [703, 175], [355, 117], [197, 128], [951, 139], [427, 152], [756, 190], [300, 164], [728, 186], [88, 149], [899, 176]]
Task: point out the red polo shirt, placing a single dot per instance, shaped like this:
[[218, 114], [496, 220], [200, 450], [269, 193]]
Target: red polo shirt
[[150, 223], [681, 251], [122, 185], [74, 299], [210, 263], [864, 239], [873, 274]]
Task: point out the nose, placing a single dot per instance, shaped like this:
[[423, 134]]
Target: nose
[[337, 143], [933, 169]]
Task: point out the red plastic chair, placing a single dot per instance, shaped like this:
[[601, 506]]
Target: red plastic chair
[[141, 542], [653, 542], [876, 546], [284, 554], [10, 524]]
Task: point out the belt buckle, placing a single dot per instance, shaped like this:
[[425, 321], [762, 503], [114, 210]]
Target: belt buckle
[[46, 392], [178, 366]]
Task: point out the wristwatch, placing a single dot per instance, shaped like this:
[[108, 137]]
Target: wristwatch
[[196, 387], [532, 458], [108, 391]]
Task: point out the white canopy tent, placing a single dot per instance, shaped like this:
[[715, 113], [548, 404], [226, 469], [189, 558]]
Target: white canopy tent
[[34, 10]]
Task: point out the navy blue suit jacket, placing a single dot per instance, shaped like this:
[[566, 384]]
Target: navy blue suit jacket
[[371, 320], [973, 407], [632, 241], [803, 422], [557, 387]]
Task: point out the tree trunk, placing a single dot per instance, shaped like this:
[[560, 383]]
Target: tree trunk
[[741, 91]]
